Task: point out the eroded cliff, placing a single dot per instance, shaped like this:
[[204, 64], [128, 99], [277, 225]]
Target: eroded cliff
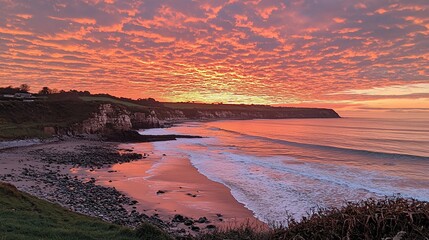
[[110, 118]]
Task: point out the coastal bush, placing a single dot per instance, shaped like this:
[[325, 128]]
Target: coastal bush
[[147, 231], [369, 219], [245, 231]]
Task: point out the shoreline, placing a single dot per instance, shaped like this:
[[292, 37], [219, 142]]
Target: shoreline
[[174, 203], [170, 185]]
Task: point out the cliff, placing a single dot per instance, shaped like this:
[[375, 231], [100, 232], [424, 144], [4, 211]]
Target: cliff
[[75, 117], [110, 117]]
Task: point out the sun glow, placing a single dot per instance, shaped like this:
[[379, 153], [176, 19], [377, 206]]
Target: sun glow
[[223, 51]]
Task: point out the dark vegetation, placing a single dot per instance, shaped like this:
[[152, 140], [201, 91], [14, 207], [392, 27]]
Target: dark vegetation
[[148, 231], [370, 219], [27, 120], [24, 88]]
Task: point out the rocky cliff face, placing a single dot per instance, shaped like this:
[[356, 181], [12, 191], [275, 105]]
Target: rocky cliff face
[[107, 118], [146, 120], [110, 118], [114, 118]]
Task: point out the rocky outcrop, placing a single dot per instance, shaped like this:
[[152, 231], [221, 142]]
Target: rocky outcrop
[[108, 118], [111, 119], [146, 120]]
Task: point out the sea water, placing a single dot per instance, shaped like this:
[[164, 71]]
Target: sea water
[[291, 166]]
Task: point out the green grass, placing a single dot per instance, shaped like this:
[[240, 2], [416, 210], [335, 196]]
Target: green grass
[[13, 131], [24, 217], [21, 131], [109, 100], [19, 120]]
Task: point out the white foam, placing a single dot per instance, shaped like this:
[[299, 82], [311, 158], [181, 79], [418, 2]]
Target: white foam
[[156, 131]]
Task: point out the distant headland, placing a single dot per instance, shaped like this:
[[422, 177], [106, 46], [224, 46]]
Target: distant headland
[[50, 112]]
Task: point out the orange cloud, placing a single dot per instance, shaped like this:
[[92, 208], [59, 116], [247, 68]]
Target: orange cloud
[[219, 51], [339, 20]]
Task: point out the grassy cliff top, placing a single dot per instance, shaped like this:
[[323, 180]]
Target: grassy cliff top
[[27, 119]]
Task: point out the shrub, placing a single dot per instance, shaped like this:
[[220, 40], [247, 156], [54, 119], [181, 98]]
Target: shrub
[[147, 231], [368, 219]]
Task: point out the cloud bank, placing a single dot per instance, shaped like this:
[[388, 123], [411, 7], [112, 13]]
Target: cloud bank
[[256, 51]]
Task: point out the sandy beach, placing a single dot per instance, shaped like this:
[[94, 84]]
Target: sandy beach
[[169, 185], [160, 187]]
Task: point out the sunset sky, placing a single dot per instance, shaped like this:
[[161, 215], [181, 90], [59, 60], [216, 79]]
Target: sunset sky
[[329, 53]]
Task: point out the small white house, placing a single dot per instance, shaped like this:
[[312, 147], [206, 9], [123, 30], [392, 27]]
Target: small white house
[[23, 95]]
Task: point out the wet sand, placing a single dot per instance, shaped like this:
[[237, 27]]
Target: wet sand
[[168, 185]]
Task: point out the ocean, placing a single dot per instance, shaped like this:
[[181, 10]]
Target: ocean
[[292, 166]]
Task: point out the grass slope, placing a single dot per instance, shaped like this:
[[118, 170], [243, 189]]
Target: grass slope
[[226, 107], [20, 120], [25, 217], [110, 100]]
